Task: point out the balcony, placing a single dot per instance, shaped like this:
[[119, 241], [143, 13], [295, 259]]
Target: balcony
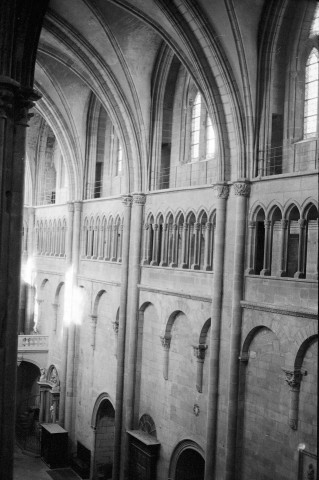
[[33, 343], [33, 349], [299, 157]]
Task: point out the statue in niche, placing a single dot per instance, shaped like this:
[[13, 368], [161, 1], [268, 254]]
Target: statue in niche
[[54, 380]]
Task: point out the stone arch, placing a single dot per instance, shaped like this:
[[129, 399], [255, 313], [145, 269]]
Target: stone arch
[[307, 204], [184, 447], [147, 424], [96, 301], [303, 349], [288, 207], [28, 406], [103, 424], [261, 375], [144, 334]]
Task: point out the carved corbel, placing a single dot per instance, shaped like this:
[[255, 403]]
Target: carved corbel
[[293, 379], [166, 343], [199, 352], [93, 330]]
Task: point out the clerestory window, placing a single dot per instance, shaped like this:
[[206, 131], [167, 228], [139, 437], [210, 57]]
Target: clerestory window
[[202, 133], [311, 95]]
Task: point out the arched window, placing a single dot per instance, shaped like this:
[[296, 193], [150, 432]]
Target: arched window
[[195, 127], [210, 138], [202, 133], [119, 159], [311, 95]]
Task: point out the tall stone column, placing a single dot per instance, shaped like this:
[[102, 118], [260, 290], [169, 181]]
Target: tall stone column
[[241, 191], [267, 248], [68, 423], [221, 192], [121, 335], [65, 331], [302, 246], [132, 317], [15, 103]]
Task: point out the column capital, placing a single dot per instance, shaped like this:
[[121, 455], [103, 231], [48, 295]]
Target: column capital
[[7, 89], [78, 206], [70, 207], [127, 200], [155, 226], [221, 190], [200, 350], [293, 378], [24, 101], [93, 318], [139, 198], [284, 224], [267, 223], [302, 223], [252, 224], [166, 342], [115, 327], [241, 189]]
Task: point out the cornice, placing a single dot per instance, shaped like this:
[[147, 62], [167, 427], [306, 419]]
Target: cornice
[[145, 288], [281, 309]]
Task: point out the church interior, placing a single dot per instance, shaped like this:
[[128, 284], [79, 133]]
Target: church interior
[[159, 237]]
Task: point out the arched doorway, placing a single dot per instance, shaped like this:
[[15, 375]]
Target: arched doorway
[[28, 406], [190, 466], [187, 462], [104, 439]]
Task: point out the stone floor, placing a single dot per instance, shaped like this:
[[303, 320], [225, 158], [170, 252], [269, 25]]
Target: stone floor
[[31, 468]]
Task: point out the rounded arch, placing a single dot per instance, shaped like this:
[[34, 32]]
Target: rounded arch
[[147, 424], [249, 338], [170, 322], [58, 291], [180, 449], [98, 402], [303, 349], [97, 300], [204, 332]]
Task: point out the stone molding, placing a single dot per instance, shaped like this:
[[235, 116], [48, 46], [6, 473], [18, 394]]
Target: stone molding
[[241, 189], [78, 206], [283, 310], [221, 190], [127, 200], [139, 199], [175, 294]]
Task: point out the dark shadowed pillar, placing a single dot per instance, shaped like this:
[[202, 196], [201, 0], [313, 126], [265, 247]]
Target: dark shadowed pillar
[[20, 25]]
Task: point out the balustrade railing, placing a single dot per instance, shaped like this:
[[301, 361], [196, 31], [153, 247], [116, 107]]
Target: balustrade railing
[[33, 342]]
